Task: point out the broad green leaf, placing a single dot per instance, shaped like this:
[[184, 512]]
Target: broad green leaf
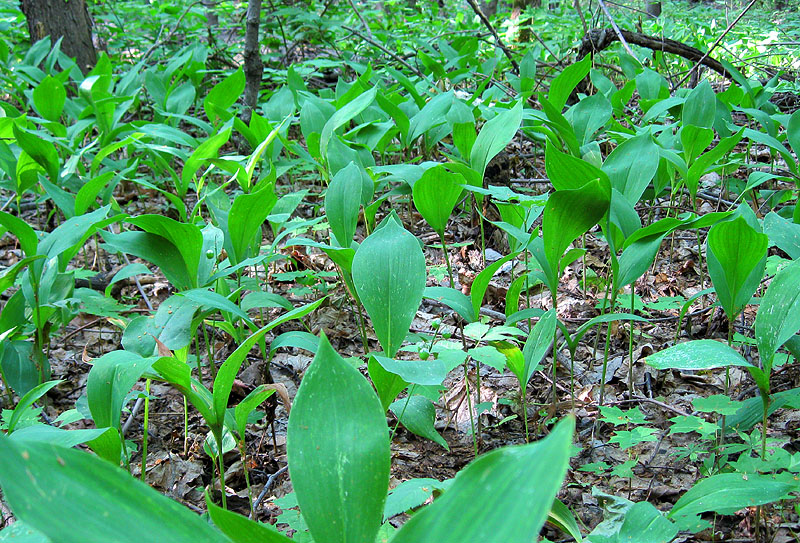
[[565, 82], [432, 115], [223, 95], [247, 214], [419, 372], [695, 140], [481, 283], [632, 165], [43, 433], [569, 172], [561, 517], [39, 149], [726, 493], [737, 256], [210, 300], [783, 234], [570, 213], [111, 378], [205, 151], [248, 405], [436, 194], [19, 532], [517, 483], [494, 136], [49, 97], [589, 115], [10, 275], [778, 317], [342, 203], [387, 384], [338, 450], [28, 240], [418, 414], [454, 299], [537, 344], [710, 161], [343, 116], [27, 400], [230, 368], [241, 529], [701, 106], [700, 354], [410, 494], [793, 132], [643, 522], [389, 275], [69, 495]]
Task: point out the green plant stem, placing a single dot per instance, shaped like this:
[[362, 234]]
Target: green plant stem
[[469, 406], [243, 453], [403, 412], [605, 353], [630, 346], [524, 400], [447, 260], [146, 427], [185, 428], [221, 463]]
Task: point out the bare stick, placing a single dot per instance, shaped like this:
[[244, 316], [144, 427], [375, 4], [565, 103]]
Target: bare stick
[[616, 28], [360, 18], [476, 8], [385, 50], [715, 44]]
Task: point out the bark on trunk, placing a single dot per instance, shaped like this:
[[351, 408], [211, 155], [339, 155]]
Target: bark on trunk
[[653, 8], [253, 67], [67, 19]]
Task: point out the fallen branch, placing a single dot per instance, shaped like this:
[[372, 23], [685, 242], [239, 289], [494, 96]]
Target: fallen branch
[[598, 39]]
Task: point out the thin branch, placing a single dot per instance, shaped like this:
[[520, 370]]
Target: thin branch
[[616, 28], [479, 12], [360, 18], [715, 44], [385, 50]]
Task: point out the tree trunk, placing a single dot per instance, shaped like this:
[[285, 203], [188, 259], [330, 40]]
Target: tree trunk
[[253, 67], [653, 8], [67, 19]]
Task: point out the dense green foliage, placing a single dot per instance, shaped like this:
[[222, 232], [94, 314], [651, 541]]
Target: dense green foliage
[[372, 128]]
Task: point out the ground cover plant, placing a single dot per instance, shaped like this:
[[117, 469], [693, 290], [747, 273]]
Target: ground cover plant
[[400, 271]]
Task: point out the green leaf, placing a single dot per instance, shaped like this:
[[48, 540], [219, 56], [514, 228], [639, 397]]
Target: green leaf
[[726, 493], [517, 483], [246, 406], [111, 378], [241, 529], [410, 494], [643, 522], [568, 172], [69, 495], [436, 194], [338, 450], [454, 299], [27, 400], [205, 151], [481, 283], [793, 132], [783, 234], [49, 97], [343, 116], [8, 278], [632, 165], [778, 317], [223, 95], [230, 368], [700, 107], [737, 256], [247, 214], [389, 275], [40, 150], [418, 415], [537, 344], [570, 213], [387, 384], [565, 82], [700, 354], [494, 136], [429, 372], [342, 203], [28, 240]]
